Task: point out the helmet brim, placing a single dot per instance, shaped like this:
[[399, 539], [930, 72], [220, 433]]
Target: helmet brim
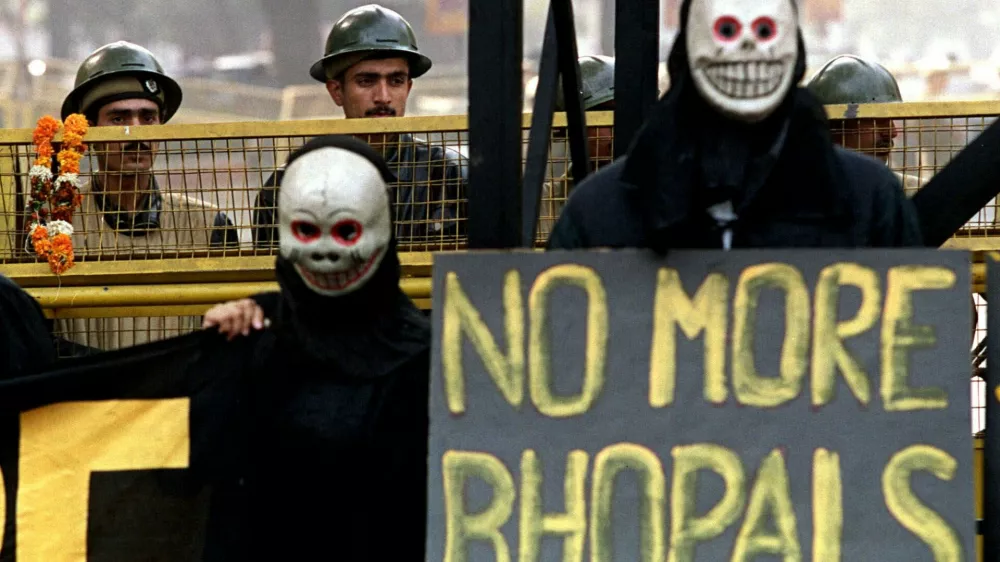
[[172, 93], [419, 64]]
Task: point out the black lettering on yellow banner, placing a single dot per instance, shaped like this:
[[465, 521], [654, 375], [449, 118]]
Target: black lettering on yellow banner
[[534, 523], [907, 508], [461, 527], [899, 336], [62, 444], [540, 340], [828, 352], [750, 387], [707, 313]]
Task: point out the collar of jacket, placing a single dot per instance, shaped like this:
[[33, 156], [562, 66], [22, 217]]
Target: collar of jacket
[[660, 171], [145, 218], [678, 200]]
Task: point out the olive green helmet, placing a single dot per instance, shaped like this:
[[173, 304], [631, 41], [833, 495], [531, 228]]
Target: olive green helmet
[[849, 79], [122, 70], [597, 77], [366, 31]]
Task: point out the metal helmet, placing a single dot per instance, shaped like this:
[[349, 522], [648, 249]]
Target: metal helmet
[[849, 79], [105, 76], [365, 31], [597, 77]]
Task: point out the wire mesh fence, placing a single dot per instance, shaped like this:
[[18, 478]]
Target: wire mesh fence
[[176, 193]]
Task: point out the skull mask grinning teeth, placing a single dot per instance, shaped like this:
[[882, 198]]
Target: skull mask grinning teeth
[[335, 224], [742, 54], [745, 80]]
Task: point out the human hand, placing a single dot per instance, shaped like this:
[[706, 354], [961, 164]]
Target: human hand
[[236, 317]]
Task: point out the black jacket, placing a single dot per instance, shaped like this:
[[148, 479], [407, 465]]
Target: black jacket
[[429, 195], [25, 336], [696, 177], [871, 210]]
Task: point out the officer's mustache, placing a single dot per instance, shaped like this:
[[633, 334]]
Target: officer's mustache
[[381, 110]]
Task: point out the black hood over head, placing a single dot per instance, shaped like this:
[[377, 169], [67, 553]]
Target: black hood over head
[[365, 333], [688, 157]]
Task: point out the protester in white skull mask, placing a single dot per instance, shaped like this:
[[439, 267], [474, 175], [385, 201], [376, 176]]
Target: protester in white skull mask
[[742, 54], [334, 215], [341, 373], [735, 154]]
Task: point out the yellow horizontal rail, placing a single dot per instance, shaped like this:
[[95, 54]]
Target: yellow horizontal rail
[[192, 293], [174, 294], [452, 123], [181, 270], [973, 243], [914, 110], [294, 128]]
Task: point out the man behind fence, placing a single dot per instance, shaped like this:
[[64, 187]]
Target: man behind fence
[[370, 61], [735, 155], [123, 210], [851, 80], [597, 74]]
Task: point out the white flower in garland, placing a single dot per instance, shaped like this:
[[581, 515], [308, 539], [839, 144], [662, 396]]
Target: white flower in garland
[[53, 228], [40, 172], [73, 179], [60, 227]]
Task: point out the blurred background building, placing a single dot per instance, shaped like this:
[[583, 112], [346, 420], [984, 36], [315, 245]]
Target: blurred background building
[[248, 59]]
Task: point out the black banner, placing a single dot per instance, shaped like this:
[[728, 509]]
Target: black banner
[[750, 405], [129, 456]]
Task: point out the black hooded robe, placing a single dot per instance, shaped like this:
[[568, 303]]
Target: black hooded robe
[[340, 393], [26, 342], [789, 185]]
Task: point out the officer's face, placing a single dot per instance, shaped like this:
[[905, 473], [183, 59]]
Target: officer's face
[[135, 157], [869, 136], [373, 88]]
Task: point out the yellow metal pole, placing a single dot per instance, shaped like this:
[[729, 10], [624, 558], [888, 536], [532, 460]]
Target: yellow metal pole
[[174, 294]]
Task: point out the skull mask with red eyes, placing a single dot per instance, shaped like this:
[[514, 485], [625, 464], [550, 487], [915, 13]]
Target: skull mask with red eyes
[[335, 225], [742, 54]]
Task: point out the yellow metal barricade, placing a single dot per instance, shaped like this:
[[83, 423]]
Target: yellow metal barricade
[[122, 293], [207, 171]]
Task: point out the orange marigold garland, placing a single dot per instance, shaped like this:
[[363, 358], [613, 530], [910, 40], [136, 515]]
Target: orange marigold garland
[[52, 239], [67, 195]]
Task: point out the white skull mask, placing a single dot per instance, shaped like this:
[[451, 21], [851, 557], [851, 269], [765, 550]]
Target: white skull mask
[[335, 226], [742, 54]]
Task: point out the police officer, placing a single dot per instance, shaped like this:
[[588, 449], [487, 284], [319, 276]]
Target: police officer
[[847, 79], [123, 210], [368, 67], [597, 78]]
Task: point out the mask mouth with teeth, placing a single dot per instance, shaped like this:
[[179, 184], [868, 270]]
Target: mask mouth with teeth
[[335, 224], [742, 54]]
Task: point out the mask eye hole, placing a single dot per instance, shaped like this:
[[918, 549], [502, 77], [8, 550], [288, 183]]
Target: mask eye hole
[[305, 231], [727, 29], [764, 28], [347, 232]]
